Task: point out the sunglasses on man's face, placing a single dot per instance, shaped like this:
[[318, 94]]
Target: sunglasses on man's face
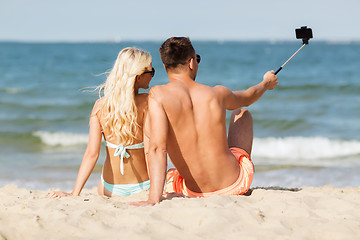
[[198, 58], [152, 72]]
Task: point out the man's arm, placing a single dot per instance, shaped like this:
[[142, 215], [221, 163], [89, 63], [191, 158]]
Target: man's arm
[[237, 99], [146, 137], [157, 154]]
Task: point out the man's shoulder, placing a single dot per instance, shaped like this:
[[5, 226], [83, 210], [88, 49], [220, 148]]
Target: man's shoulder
[[221, 91], [157, 89], [220, 88], [158, 92]]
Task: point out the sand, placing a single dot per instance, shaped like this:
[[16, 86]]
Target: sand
[[310, 213]]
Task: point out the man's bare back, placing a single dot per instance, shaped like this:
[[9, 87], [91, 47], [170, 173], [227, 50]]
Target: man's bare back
[[187, 121], [197, 141]]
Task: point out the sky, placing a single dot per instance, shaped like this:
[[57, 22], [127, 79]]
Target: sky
[[143, 20]]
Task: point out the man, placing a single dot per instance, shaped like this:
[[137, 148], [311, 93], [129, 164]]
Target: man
[[188, 122]]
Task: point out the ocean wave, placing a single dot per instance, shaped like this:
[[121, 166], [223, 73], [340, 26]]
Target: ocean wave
[[11, 90], [343, 88], [62, 138], [304, 148], [288, 148], [44, 104]]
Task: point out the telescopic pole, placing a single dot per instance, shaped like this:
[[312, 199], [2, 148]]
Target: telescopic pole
[[290, 58]]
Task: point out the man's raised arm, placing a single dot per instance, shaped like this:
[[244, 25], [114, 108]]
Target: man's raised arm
[[237, 99]]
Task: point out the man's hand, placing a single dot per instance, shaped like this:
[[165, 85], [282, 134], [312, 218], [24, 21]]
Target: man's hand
[[270, 80], [143, 203], [58, 194]]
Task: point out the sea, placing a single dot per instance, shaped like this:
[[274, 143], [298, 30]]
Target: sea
[[306, 130]]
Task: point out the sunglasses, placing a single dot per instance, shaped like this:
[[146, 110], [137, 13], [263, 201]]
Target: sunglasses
[[198, 58], [152, 72]]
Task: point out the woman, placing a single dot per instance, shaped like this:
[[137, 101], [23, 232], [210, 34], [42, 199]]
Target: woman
[[119, 116]]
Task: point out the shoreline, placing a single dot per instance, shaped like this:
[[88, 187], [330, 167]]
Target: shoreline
[[266, 213]]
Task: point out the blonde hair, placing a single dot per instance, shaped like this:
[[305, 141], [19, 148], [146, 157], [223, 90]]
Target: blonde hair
[[118, 103]]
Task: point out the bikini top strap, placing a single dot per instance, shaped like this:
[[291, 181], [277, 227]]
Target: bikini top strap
[[120, 150]]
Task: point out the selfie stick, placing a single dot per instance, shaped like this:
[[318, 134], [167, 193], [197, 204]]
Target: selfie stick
[[304, 33], [289, 59]]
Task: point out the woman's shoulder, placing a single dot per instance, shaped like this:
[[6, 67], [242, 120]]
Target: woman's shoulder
[[141, 99], [97, 106], [143, 96], [142, 105], [99, 102]]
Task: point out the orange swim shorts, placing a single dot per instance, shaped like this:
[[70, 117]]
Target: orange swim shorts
[[175, 183]]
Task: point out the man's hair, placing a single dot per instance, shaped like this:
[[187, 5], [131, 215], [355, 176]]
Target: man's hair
[[176, 51]]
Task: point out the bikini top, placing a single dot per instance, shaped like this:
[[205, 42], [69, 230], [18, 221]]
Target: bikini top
[[121, 151]]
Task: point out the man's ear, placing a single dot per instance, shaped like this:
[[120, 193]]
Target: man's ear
[[191, 63]]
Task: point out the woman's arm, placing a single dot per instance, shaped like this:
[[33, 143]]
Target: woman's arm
[[90, 157]]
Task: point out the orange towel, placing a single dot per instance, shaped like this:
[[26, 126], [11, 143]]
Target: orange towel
[[175, 183]]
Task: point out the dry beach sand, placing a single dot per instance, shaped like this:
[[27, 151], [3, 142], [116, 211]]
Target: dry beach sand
[[273, 213]]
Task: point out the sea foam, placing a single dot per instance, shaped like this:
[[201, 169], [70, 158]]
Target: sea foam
[[11, 90], [62, 138], [293, 148], [290, 148]]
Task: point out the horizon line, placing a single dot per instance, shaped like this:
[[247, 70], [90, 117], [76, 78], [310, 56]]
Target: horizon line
[[110, 41]]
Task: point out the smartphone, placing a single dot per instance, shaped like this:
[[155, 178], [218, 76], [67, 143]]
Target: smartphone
[[304, 33]]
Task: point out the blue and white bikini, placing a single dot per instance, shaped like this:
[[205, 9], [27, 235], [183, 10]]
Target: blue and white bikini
[[125, 189]]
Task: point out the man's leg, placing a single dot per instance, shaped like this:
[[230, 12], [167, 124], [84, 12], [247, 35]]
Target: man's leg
[[241, 130]]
